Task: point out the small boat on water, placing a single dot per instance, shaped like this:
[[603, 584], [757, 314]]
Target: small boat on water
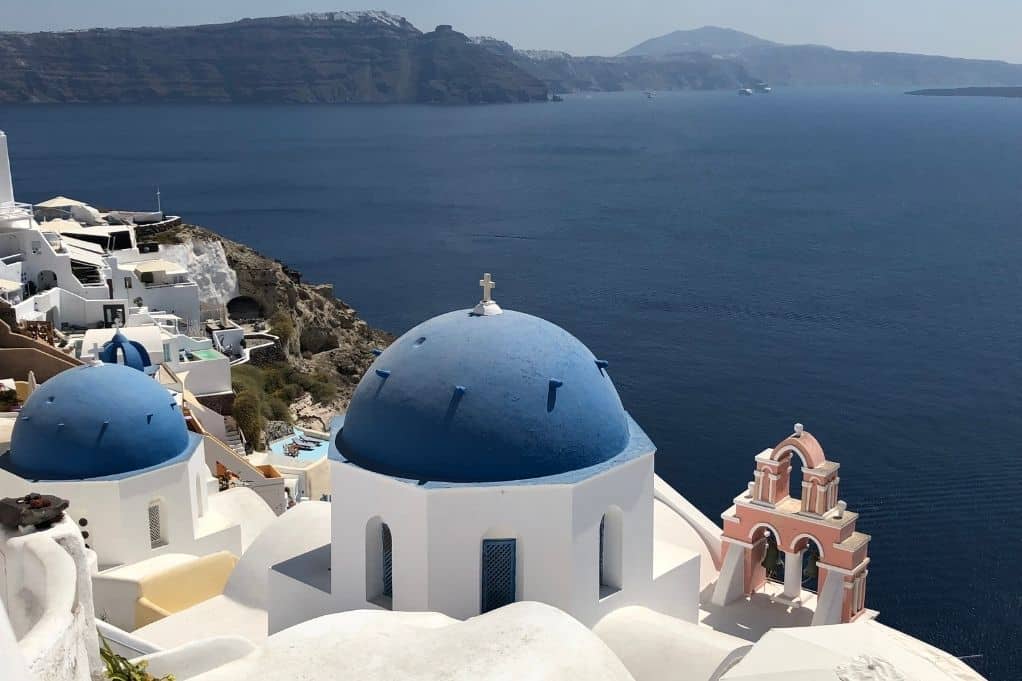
[[650, 94], [745, 92]]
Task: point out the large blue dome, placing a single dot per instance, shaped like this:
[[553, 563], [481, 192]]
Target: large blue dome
[[464, 398], [96, 421]]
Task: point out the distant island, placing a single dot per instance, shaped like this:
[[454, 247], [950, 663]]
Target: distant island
[[373, 57], [331, 58], [970, 92]]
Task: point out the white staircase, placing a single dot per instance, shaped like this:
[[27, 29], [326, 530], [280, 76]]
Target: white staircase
[[234, 438]]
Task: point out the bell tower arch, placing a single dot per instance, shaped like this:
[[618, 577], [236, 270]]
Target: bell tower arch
[[766, 514]]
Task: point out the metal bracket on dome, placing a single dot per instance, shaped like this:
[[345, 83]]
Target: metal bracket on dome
[[551, 396]]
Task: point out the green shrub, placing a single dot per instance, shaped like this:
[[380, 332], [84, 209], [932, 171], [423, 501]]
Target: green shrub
[[248, 413], [323, 391], [290, 392], [282, 326], [276, 409], [266, 393], [248, 378], [119, 668]]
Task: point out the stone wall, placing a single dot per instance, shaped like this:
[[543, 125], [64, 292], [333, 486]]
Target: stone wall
[[143, 232]]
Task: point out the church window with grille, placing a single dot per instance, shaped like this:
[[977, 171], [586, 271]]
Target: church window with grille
[[499, 573], [157, 537]]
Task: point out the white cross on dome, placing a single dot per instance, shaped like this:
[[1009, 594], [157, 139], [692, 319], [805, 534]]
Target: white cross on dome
[[487, 307]]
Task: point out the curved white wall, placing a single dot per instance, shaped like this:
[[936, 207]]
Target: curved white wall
[[49, 601]]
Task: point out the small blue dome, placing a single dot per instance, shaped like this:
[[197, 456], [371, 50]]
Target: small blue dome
[[95, 421], [463, 398], [133, 354]]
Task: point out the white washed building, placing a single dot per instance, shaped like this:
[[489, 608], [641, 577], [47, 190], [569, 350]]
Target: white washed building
[[486, 458], [83, 275]]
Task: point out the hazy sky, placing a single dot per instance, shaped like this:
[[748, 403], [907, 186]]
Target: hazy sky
[[981, 28]]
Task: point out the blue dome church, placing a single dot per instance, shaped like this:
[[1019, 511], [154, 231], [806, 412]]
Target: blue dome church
[[114, 442], [97, 421], [486, 458], [121, 350], [484, 398]]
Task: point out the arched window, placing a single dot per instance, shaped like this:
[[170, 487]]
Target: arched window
[[379, 560], [499, 576], [611, 552]]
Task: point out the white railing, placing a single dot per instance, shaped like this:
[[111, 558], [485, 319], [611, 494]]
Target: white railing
[[124, 643], [16, 210]]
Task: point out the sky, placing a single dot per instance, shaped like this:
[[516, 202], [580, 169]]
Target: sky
[[986, 29]]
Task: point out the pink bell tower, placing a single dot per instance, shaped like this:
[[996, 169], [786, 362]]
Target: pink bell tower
[[766, 511]]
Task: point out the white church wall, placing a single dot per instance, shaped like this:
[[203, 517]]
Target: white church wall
[[675, 592], [437, 536], [538, 517], [626, 490], [358, 497], [117, 511], [98, 502]]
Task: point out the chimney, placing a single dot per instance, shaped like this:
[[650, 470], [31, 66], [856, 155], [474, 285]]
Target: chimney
[[6, 186]]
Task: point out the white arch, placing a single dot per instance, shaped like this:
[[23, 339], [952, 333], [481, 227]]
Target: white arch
[[611, 551], [373, 560]]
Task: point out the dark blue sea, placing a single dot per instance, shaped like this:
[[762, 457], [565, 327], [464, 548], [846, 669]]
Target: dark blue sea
[[847, 259]]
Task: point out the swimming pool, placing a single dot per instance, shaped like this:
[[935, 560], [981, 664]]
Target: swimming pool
[[207, 354], [318, 451]]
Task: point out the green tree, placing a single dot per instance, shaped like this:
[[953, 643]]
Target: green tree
[[248, 413]]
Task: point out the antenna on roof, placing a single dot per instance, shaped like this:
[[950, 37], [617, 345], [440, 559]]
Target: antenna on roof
[[159, 206]]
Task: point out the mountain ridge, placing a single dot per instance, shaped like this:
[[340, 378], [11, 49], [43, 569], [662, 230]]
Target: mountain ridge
[[332, 57], [820, 65], [376, 57], [707, 39], [564, 73]]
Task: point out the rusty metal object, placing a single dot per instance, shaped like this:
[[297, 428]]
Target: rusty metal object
[[32, 510]]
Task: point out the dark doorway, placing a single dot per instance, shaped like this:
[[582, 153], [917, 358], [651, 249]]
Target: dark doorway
[[113, 314]]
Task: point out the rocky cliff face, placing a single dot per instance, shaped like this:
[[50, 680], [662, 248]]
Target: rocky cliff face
[[334, 57], [329, 337], [564, 73]]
